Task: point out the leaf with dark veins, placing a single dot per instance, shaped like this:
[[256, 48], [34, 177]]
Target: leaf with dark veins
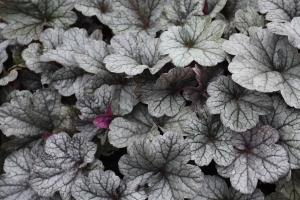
[[136, 16], [162, 165], [27, 19], [14, 183], [35, 114], [287, 122], [265, 62], [215, 188], [103, 9], [199, 40], [135, 126], [279, 10], [239, 108], [163, 98], [105, 186], [291, 189], [257, 157], [60, 164], [209, 139], [91, 107], [133, 54]]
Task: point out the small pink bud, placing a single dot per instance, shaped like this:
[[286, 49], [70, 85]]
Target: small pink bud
[[103, 120]]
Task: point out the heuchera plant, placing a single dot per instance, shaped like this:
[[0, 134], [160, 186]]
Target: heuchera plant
[[150, 99]]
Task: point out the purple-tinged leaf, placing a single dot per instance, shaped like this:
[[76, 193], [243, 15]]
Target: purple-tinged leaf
[[103, 120]]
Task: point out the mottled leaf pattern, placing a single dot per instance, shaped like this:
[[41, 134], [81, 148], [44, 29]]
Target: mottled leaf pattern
[[33, 114], [287, 123], [134, 54], [209, 139], [239, 107], [105, 186], [27, 19], [161, 163], [132, 127], [136, 16], [257, 157], [215, 188], [163, 98], [199, 40], [14, 183], [60, 164], [265, 62]]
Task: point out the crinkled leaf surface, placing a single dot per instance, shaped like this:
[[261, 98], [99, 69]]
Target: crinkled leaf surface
[[136, 16], [14, 183], [239, 107], [176, 12], [291, 189], [257, 157], [90, 107], [209, 139], [134, 54], [51, 38], [103, 9], [27, 19], [287, 123], [199, 40], [215, 188], [60, 164], [105, 186], [163, 98], [279, 10], [132, 127], [265, 62], [161, 164], [32, 55], [290, 29], [244, 20], [33, 114], [90, 59], [68, 80], [73, 41]]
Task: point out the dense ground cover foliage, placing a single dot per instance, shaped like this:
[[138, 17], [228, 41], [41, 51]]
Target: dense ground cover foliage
[[150, 99]]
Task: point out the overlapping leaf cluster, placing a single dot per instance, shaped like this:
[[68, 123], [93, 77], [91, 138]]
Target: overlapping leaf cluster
[[178, 84]]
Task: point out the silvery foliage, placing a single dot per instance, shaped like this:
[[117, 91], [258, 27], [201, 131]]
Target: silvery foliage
[[60, 164], [239, 108], [34, 114], [106, 186], [199, 39], [265, 62], [90, 107], [215, 188], [283, 17], [163, 97], [257, 157], [162, 165], [136, 16], [27, 18], [179, 85], [209, 139], [133, 54]]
